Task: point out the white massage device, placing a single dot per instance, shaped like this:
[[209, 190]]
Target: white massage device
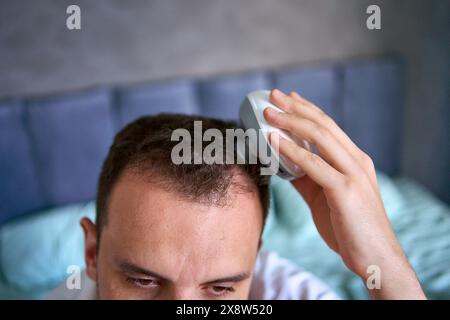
[[251, 115]]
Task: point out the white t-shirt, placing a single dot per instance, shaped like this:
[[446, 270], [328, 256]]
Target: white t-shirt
[[274, 278]]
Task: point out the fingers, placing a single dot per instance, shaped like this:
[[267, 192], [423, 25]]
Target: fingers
[[313, 165], [295, 104], [279, 97], [328, 146]]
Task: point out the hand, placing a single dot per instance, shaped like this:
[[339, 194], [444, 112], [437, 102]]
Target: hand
[[341, 190]]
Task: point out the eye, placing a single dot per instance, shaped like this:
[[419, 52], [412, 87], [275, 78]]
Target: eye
[[219, 290], [143, 282]]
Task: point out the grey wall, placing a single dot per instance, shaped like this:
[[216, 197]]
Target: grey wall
[[129, 41]]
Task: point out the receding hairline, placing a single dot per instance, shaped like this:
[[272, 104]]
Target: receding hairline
[[240, 183]]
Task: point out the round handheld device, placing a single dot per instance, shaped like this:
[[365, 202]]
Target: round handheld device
[[251, 115]]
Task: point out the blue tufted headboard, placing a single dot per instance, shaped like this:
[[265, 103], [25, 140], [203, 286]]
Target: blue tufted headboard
[[51, 148]]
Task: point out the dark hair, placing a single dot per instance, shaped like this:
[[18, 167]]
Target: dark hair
[[145, 147]]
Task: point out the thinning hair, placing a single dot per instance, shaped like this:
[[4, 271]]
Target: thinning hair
[[144, 147]]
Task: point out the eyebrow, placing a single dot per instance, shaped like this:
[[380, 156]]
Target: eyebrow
[[130, 267], [236, 278]]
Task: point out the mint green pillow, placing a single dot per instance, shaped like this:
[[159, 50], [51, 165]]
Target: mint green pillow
[[35, 251]]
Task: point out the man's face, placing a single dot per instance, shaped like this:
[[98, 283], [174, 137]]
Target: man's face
[[157, 245]]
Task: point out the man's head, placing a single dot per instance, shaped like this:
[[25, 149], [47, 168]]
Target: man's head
[[188, 231]]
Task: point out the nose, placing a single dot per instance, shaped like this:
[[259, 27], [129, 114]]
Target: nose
[[180, 293]]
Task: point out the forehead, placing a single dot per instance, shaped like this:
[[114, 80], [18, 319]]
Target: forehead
[[146, 221]]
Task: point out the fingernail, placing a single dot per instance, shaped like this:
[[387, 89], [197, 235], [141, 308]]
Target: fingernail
[[270, 112], [274, 138], [278, 93]]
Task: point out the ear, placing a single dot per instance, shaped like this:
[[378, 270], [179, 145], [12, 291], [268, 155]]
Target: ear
[[90, 247]]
